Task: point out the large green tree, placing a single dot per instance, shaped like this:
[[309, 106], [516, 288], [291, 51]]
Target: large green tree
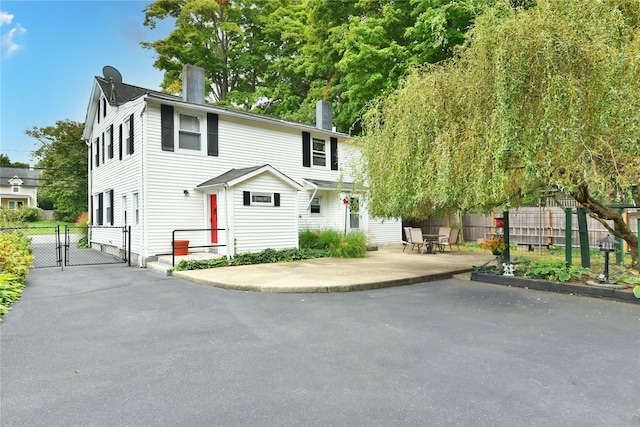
[[281, 56], [62, 155], [6, 161], [538, 99], [359, 50]]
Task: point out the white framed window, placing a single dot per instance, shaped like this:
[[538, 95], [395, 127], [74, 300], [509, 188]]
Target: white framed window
[[124, 210], [126, 131], [15, 188], [319, 152], [109, 143], [102, 150], [354, 212], [189, 132], [12, 204], [108, 209], [136, 209], [265, 199], [316, 206]]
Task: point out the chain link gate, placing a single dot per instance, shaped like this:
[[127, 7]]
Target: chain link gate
[[96, 244], [46, 245]]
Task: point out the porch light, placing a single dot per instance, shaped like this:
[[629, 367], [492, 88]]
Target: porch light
[[607, 245]]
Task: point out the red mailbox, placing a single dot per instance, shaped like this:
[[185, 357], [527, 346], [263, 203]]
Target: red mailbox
[[500, 222]]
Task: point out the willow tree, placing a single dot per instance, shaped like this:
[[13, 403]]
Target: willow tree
[[537, 99]]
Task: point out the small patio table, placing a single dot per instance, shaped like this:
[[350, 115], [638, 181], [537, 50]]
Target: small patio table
[[429, 240]]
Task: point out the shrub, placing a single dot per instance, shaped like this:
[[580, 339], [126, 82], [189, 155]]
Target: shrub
[[20, 215], [15, 255], [352, 245], [10, 290], [83, 219], [550, 269], [249, 258]]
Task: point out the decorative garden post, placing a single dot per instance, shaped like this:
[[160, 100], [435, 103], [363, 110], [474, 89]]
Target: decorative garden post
[[507, 251], [568, 236]]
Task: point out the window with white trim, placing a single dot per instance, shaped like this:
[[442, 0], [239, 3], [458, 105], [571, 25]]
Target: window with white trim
[[262, 199], [109, 142], [126, 133], [15, 188], [319, 153], [136, 209], [189, 132], [108, 209], [124, 210], [316, 206]]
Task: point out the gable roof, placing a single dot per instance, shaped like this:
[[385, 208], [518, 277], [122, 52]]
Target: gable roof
[[29, 177], [236, 176], [122, 93]]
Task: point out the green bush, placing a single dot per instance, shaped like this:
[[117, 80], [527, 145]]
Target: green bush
[[249, 258], [555, 270], [10, 290], [20, 215], [15, 255], [351, 245]]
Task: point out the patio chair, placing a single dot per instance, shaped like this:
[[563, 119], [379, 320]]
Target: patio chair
[[445, 235], [454, 239], [415, 237], [407, 238]]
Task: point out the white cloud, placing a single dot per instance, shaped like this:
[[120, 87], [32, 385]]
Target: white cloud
[[9, 42], [5, 18]]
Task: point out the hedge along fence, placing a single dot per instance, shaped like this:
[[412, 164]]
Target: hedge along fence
[[15, 261]]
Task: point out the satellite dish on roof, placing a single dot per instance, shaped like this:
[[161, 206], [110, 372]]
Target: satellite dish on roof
[[110, 73]]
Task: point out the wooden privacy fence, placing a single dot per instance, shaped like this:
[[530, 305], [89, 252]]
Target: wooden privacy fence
[[530, 227]]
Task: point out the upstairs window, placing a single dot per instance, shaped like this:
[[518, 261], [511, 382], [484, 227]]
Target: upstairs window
[[15, 188], [108, 135], [189, 132], [319, 153], [128, 140]]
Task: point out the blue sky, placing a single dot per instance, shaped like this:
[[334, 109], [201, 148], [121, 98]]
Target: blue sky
[[51, 50]]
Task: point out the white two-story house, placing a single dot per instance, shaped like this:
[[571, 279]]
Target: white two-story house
[[178, 168]]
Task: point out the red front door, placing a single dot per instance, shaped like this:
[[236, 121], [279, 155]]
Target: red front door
[[213, 202]]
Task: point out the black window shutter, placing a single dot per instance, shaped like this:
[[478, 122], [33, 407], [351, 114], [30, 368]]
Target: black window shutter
[[166, 119], [100, 206], [104, 107], [334, 154], [99, 103], [131, 134], [110, 154], [212, 134], [120, 141], [306, 149], [246, 196], [97, 152], [111, 204], [276, 199]]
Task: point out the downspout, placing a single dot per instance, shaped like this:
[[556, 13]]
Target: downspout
[[142, 229], [90, 181], [226, 219]]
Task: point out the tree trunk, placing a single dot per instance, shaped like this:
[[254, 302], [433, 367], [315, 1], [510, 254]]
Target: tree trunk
[[602, 213]]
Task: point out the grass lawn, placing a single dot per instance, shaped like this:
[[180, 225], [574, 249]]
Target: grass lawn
[[50, 225]]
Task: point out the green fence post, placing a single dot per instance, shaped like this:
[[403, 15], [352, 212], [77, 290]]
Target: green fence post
[[619, 253], [507, 252], [568, 236], [584, 237]]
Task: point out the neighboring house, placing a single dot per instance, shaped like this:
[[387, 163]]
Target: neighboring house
[[160, 163], [18, 187]]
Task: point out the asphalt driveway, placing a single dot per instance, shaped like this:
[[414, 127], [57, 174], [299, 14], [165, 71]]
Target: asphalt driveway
[[114, 345]]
